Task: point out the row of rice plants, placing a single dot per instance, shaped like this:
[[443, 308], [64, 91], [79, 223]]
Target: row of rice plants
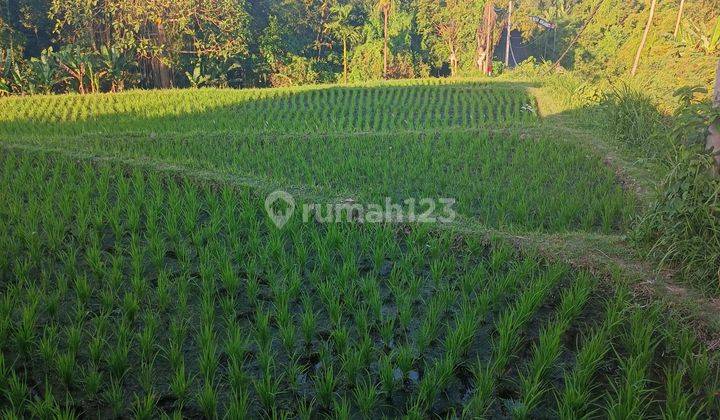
[[499, 179], [133, 293], [632, 391], [508, 328], [686, 374], [136, 304], [545, 353], [578, 396], [330, 109]]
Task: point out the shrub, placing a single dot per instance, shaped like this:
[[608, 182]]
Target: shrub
[[532, 69], [403, 66], [683, 225], [630, 118], [295, 71], [367, 62], [694, 115], [573, 90]]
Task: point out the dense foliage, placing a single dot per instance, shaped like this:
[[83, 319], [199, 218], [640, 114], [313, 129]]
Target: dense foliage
[[88, 46], [228, 42], [683, 225]]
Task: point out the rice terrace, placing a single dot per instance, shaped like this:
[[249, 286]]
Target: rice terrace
[[488, 239]]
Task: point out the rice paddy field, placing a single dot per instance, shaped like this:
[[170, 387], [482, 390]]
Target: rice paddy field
[[140, 276], [436, 104]]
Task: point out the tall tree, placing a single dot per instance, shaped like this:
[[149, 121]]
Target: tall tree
[[324, 8], [385, 6], [485, 38], [341, 25], [644, 38], [455, 30]]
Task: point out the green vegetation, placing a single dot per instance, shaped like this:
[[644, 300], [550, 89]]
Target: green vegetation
[[141, 277], [681, 228], [60, 46], [499, 178], [132, 292], [434, 104]]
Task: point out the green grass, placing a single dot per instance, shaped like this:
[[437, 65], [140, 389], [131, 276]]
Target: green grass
[[127, 292]]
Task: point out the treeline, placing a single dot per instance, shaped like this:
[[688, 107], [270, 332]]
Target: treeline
[[102, 45], [110, 45]]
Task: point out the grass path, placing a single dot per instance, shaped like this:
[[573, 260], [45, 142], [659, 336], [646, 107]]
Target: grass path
[[612, 253]]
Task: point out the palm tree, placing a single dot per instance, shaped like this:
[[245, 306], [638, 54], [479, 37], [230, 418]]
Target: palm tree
[[343, 29], [385, 6]]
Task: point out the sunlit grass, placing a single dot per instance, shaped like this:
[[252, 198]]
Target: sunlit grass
[[419, 105]]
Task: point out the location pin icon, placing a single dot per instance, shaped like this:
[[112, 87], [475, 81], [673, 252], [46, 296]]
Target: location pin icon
[[276, 213]]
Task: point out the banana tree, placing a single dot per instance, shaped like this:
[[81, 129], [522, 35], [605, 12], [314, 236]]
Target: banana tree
[[74, 62], [44, 72], [197, 78], [714, 39], [20, 80], [94, 76], [705, 39], [117, 65]]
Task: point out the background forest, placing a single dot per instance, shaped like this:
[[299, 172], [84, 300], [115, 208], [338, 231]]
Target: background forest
[[111, 45]]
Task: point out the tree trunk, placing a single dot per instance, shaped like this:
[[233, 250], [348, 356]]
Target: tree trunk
[[78, 75], [716, 96], [479, 50], [508, 39], [160, 71], [345, 64], [453, 63], [81, 82], [319, 37], [488, 51], [385, 47], [713, 140], [679, 18], [644, 38]]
